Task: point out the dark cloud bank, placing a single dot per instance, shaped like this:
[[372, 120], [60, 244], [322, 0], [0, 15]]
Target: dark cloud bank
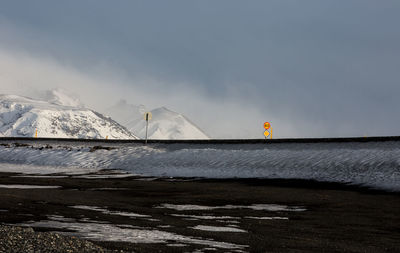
[[312, 68]]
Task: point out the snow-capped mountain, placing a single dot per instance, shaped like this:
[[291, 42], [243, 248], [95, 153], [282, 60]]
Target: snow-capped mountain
[[22, 116], [63, 97], [166, 124]]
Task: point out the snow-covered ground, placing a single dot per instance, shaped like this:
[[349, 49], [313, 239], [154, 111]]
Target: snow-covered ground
[[101, 231], [375, 164], [22, 117]]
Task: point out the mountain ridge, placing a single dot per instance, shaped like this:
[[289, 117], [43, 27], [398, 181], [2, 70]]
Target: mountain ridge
[[22, 116]]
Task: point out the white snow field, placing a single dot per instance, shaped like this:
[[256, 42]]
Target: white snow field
[[165, 124], [374, 164], [22, 116]]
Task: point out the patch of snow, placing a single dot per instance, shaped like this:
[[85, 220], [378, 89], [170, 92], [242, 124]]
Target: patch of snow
[[164, 226], [26, 186], [176, 245], [266, 218], [44, 170], [107, 189], [106, 211], [257, 207], [152, 219], [102, 176], [205, 217], [59, 218], [108, 232], [38, 176], [219, 229]]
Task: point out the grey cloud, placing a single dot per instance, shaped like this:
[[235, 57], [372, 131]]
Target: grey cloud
[[317, 68]]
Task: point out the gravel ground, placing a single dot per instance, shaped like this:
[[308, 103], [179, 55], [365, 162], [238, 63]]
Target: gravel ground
[[337, 217], [18, 239]]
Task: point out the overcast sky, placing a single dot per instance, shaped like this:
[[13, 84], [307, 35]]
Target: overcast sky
[[311, 68]]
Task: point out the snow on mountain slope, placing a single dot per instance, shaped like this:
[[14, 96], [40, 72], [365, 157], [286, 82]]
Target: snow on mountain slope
[[21, 116], [63, 97], [166, 124]]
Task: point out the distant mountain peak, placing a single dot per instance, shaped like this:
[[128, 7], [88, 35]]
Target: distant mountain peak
[[22, 116], [165, 123], [63, 97]]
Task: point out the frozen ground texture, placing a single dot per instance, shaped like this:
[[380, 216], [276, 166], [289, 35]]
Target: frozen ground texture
[[123, 233], [21, 116], [374, 164]]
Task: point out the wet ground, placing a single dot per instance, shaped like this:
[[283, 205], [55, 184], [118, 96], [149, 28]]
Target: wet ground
[[173, 215]]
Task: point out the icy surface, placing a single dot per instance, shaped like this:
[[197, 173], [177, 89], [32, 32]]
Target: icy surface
[[205, 217], [218, 229], [257, 207], [109, 232], [27, 186], [267, 218], [106, 211], [374, 164], [45, 170]]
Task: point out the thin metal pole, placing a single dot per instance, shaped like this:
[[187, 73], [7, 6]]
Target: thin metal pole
[[147, 125]]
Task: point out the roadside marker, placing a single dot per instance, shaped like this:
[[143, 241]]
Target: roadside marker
[[268, 130], [147, 117], [36, 133]]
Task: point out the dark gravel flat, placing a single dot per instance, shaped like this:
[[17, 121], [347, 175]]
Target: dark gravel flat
[[17, 239], [338, 218]]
